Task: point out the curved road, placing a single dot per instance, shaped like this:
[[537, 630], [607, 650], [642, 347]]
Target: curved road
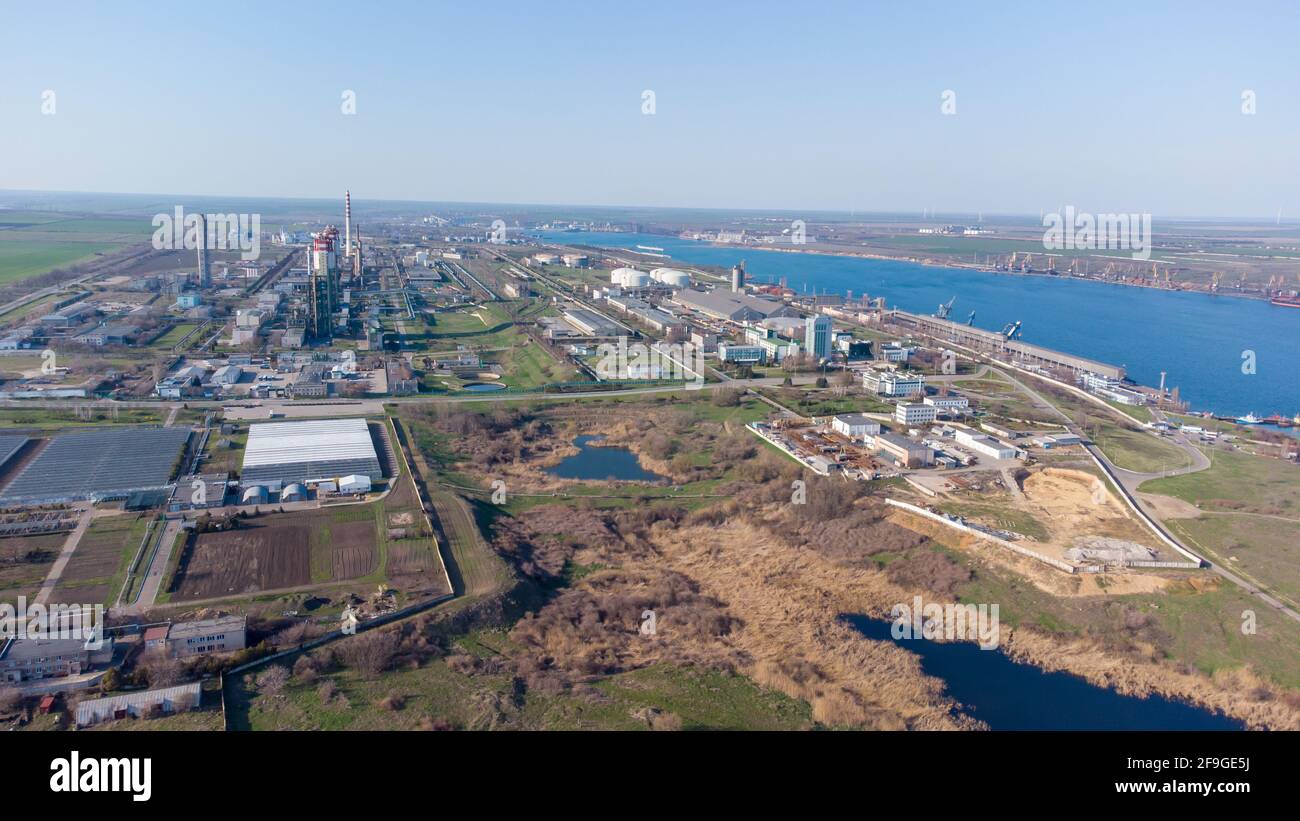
[[1129, 481]]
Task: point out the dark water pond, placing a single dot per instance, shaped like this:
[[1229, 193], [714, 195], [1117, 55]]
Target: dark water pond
[[1008, 695], [594, 462]]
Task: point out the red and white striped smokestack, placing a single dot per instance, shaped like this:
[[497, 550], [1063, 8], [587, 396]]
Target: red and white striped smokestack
[[347, 223]]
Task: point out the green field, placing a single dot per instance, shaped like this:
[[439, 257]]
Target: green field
[[1139, 451], [34, 242], [701, 699], [53, 419], [1266, 550], [174, 335], [1237, 481], [1251, 522], [21, 257]]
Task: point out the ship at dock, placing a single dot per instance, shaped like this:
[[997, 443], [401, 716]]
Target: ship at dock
[[1286, 301]]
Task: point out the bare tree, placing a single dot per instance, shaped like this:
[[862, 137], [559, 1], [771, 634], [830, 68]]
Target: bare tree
[[271, 681], [369, 653], [10, 698]]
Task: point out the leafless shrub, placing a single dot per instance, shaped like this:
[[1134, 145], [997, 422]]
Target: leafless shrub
[[392, 703], [669, 722], [304, 669], [271, 681], [370, 653], [432, 724], [927, 570], [327, 691], [463, 663], [164, 672]]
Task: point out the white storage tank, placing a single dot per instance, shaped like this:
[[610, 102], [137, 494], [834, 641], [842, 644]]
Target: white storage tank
[[671, 276], [629, 278]]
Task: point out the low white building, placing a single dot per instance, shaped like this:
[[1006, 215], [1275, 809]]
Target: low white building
[[915, 413], [890, 352], [986, 445], [947, 404], [227, 375], [855, 425], [356, 483], [890, 383], [140, 703]]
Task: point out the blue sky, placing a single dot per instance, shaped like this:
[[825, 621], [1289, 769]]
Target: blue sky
[[1107, 107]]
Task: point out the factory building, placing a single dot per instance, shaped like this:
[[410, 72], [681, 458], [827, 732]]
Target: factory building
[[227, 375], [890, 383], [903, 451], [744, 354], [853, 348], [986, 445], [948, 404], [109, 334], [734, 307], [892, 352], [282, 453], [590, 323], [914, 413], [855, 425], [70, 316]]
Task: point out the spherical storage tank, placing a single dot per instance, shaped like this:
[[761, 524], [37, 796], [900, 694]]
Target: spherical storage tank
[[671, 276]]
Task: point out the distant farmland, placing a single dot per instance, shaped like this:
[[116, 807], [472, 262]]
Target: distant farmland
[[23, 258], [34, 242]]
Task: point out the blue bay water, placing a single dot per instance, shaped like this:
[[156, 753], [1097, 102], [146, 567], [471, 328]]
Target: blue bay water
[[1198, 339]]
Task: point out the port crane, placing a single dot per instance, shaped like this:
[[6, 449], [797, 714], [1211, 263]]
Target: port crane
[[970, 320], [1214, 280], [1011, 330], [946, 309]]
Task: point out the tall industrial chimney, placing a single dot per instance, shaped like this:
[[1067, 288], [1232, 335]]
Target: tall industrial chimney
[[347, 223], [205, 269]]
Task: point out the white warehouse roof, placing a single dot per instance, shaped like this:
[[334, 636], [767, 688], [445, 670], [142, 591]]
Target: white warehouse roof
[[306, 451]]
